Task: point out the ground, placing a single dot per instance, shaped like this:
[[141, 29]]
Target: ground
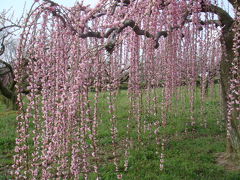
[[191, 152]]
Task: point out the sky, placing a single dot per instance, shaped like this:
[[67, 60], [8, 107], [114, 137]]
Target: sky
[[17, 6]]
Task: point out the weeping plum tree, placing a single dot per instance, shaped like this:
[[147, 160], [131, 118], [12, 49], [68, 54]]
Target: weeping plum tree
[[74, 50]]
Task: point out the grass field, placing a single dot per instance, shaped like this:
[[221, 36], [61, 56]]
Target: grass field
[[189, 155], [7, 139]]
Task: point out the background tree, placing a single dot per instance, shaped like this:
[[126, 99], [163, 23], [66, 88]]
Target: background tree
[[7, 57]]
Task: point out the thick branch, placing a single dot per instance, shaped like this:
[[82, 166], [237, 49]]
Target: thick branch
[[113, 31], [209, 22], [4, 91], [2, 50], [4, 73], [8, 66], [125, 2], [91, 34], [231, 1], [130, 23], [234, 3], [225, 19], [51, 2], [2, 47]]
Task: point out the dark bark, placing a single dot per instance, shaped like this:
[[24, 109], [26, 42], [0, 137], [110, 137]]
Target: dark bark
[[233, 140], [5, 91], [10, 95], [227, 22]]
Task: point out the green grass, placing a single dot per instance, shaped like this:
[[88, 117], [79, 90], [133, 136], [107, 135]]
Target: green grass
[[189, 155], [7, 139]]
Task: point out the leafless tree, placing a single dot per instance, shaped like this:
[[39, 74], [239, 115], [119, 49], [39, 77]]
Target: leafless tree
[[8, 45]]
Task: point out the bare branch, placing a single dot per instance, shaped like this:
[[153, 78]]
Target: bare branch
[[10, 26]]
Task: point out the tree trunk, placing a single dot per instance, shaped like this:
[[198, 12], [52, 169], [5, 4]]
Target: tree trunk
[[10, 95], [14, 104], [233, 139]]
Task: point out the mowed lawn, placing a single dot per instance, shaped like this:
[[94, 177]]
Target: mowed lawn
[[190, 152]]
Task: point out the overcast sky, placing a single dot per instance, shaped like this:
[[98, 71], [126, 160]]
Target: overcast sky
[[17, 6]]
